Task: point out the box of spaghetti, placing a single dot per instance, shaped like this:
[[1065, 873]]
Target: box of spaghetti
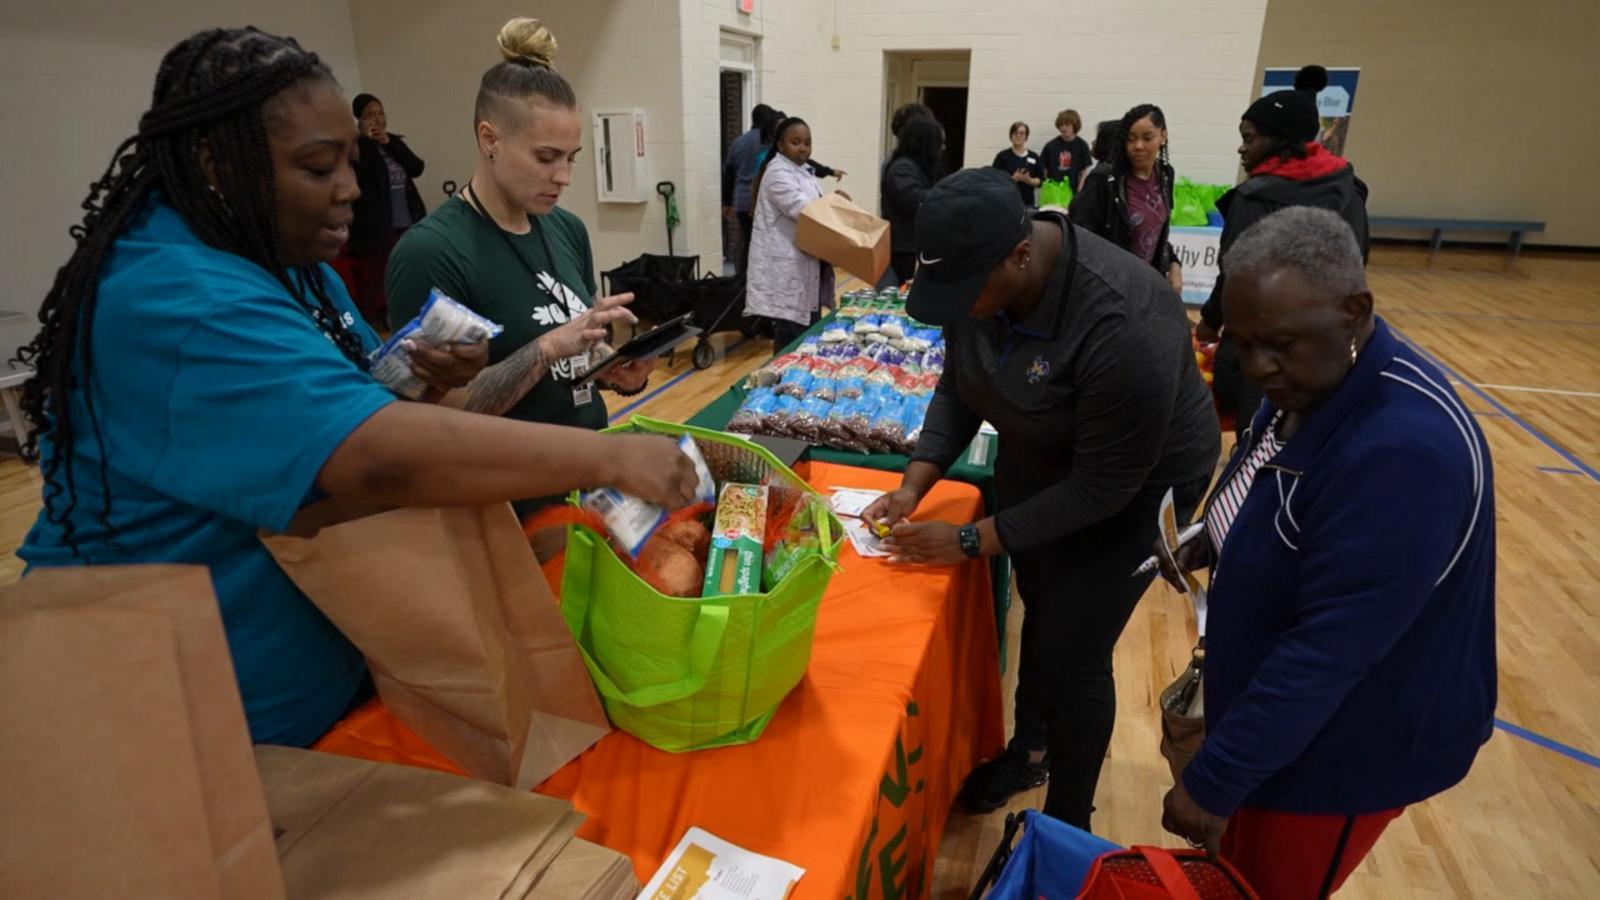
[[736, 541]]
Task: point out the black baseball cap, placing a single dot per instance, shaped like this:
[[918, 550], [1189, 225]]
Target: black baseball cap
[[965, 227]]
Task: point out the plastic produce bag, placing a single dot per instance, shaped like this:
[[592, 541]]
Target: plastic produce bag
[[1055, 193], [753, 413], [1188, 203], [441, 321]]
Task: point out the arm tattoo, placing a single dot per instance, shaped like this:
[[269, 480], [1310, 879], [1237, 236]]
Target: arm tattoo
[[498, 387]]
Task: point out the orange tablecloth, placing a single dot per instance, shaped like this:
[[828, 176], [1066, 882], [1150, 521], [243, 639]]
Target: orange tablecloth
[[854, 778]]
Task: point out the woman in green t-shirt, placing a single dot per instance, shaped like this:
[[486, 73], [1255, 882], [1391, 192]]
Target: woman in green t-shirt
[[502, 247]]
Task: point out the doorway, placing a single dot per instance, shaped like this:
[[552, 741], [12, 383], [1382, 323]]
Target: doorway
[[736, 90], [949, 105], [937, 79]]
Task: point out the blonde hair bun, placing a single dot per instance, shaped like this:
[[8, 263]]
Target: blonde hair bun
[[525, 40]]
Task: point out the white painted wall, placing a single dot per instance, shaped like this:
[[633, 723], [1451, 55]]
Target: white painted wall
[[1029, 60], [75, 75], [424, 60]]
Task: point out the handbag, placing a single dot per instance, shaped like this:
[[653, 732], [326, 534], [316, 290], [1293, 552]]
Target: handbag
[[1183, 720]]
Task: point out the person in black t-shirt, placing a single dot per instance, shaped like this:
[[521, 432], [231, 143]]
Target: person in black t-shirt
[[1021, 164], [1067, 156]]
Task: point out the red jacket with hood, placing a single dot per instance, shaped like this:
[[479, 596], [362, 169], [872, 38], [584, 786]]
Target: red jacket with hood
[[1320, 179]]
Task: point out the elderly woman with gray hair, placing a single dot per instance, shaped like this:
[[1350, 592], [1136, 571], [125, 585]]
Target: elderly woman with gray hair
[[1350, 650]]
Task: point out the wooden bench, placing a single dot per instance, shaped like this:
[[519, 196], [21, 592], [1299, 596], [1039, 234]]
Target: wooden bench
[[1440, 226]]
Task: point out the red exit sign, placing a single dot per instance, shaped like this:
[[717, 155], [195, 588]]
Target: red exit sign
[[747, 6]]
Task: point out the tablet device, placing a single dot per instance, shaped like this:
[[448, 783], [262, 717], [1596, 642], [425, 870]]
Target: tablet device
[[651, 344]]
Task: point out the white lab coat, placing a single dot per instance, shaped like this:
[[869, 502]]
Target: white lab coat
[[782, 282]]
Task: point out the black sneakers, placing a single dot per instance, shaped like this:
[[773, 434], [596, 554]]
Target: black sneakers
[[996, 780]]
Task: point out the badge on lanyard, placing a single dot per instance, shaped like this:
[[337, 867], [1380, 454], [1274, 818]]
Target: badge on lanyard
[[581, 396]]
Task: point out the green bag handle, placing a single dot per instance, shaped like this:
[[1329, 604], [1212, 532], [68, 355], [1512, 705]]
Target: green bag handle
[[704, 644]]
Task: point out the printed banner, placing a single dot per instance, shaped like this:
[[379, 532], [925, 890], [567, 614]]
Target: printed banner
[[1197, 248], [1335, 102]]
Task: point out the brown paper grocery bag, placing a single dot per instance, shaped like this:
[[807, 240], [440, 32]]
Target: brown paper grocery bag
[[585, 871], [835, 230], [350, 829], [465, 642], [124, 754]]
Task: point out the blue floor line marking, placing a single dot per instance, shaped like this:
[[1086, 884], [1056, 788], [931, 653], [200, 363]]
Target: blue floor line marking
[[1533, 737], [1448, 315], [1490, 415], [1561, 451]]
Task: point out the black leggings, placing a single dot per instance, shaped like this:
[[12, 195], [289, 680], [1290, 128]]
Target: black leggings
[[785, 332], [1077, 598]]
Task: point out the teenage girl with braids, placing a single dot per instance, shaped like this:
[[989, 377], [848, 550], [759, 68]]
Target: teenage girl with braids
[[201, 373], [1129, 201], [783, 282], [505, 249]]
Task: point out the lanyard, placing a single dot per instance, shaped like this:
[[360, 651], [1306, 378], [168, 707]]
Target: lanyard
[[581, 396], [480, 209]]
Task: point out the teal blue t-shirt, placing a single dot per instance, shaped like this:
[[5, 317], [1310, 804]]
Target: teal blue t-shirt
[[219, 401]]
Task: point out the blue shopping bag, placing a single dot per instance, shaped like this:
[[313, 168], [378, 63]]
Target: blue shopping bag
[[1050, 862]]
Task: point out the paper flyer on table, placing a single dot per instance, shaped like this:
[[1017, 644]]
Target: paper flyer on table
[[850, 503], [1167, 520], [706, 867]]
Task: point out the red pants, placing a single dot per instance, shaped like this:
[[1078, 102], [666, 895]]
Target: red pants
[[363, 275], [1288, 856]]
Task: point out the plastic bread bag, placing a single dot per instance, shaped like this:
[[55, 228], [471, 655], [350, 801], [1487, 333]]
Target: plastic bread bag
[[752, 415], [632, 521], [440, 322]]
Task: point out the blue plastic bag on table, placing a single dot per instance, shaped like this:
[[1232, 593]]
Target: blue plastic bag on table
[[1049, 862]]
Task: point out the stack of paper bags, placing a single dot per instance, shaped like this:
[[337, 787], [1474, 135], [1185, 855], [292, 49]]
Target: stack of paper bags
[[351, 829], [585, 871], [126, 771], [125, 766]]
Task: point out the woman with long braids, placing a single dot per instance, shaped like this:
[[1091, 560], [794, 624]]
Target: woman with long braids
[[1129, 201], [201, 373]]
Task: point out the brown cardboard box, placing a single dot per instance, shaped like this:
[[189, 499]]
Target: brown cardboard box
[[348, 829], [124, 754], [835, 230], [465, 641]]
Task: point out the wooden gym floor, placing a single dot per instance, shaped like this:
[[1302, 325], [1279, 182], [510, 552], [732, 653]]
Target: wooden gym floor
[[1523, 345]]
